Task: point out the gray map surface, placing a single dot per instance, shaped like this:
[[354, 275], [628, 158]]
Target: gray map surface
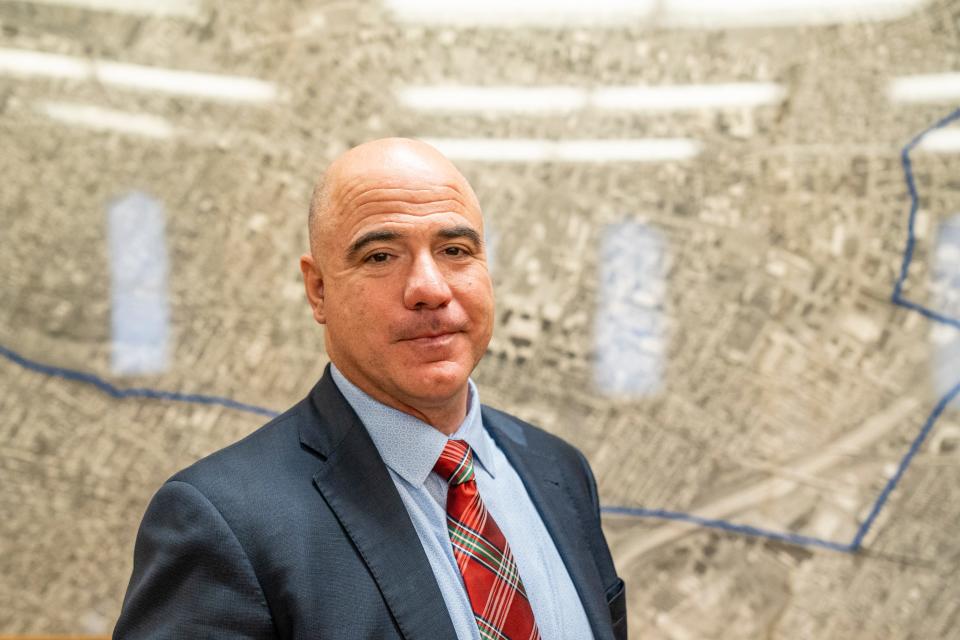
[[714, 331]]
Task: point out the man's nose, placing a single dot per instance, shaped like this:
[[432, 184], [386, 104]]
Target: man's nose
[[426, 286]]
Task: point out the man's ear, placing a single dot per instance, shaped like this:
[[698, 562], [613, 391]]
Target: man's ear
[[313, 283]]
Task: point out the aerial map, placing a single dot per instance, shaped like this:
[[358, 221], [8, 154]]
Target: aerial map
[[724, 240]]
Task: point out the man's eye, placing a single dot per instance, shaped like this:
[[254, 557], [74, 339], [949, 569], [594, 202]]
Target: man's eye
[[378, 257], [455, 251]]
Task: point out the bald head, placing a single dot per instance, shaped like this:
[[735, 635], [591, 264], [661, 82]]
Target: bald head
[[389, 163], [397, 273]]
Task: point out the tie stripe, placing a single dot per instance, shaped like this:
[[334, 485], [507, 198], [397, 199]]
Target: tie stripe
[[487, 630], [483, 551], [490, 575]]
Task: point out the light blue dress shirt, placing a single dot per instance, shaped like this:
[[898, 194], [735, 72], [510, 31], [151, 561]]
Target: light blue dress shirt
[[410, 448]]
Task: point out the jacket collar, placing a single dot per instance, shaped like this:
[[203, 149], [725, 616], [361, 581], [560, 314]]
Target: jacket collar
[[356, 485], [541, 475]]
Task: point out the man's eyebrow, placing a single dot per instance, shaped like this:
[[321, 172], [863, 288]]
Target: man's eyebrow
[[369, 237], [461, 231]]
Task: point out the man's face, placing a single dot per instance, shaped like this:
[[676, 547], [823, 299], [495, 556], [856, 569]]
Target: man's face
[[406, 294]]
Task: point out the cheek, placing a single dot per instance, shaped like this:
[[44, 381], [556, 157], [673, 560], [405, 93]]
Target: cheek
[[350, 305], [477, 295], [368, 309]]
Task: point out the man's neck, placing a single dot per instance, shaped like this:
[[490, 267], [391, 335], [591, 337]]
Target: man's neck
[[446, 417]]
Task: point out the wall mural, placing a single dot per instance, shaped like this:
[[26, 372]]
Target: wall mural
[[725, 249]]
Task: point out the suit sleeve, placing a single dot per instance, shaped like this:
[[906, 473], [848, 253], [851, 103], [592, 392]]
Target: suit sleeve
[[616, 594], [191, 577]]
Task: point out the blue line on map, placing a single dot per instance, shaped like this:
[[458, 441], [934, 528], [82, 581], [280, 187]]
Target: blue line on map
[[897, 296], [902, 467], [662, 514], [130, 392]]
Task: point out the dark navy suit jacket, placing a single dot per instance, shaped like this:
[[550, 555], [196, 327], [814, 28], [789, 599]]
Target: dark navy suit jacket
[[297, 531]]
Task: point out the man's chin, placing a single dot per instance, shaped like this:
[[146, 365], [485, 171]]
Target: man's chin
[[437, 382]]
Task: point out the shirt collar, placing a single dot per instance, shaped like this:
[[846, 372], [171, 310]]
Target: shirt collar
[[409, 446]]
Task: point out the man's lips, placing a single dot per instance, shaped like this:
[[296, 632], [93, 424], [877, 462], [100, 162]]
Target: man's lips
[[426, 338], [430, 335]]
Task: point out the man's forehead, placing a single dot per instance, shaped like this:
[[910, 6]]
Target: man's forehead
[[415, 188], [376, 194], [431, 218], [397, 161], [393, 176]]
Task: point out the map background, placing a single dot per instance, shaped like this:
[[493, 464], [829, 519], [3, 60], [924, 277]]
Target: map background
[[777, 336]]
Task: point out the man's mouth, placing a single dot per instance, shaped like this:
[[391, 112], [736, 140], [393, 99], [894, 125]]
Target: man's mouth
[[432, 336]]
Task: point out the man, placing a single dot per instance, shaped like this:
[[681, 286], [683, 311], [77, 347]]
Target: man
[[388, 503]]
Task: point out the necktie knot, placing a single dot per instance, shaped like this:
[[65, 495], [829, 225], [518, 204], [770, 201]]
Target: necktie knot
[[455, 464]]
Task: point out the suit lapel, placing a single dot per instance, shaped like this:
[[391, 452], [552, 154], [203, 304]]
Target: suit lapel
[[357, 486], [541, 476]]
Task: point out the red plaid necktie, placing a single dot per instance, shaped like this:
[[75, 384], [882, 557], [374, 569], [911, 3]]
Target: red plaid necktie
[[490, 574]]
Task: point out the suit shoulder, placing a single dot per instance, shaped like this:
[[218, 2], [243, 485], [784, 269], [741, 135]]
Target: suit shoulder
[[525, 433], [266, 449]]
